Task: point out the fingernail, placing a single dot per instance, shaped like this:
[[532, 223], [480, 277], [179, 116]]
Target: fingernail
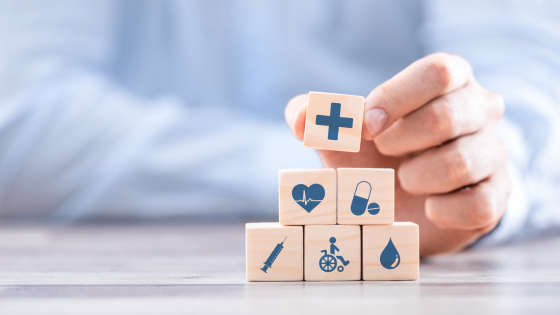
[[375, 119]]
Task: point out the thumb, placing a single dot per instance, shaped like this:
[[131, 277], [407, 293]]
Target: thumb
[[424, 80], [295, 115]]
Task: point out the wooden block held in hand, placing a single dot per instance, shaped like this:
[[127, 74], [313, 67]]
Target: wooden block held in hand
[[334, 122], [366, 196], [274, 252], [307, 196], [332, 252], [391, 252]]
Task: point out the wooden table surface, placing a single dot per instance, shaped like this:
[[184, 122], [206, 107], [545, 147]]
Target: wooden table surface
[[200, 269]]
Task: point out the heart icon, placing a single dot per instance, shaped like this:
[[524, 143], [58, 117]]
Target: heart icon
[[308, 197]]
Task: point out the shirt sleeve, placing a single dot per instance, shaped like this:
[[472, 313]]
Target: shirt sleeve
[[514, 48], [75, 142]]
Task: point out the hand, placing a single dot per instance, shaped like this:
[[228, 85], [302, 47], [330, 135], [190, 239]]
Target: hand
[[436, 126]]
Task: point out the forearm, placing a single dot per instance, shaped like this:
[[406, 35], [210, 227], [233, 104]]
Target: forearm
[[513, 51], [86, 147]]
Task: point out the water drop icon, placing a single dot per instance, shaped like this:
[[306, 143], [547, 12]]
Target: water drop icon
[[390, 258]]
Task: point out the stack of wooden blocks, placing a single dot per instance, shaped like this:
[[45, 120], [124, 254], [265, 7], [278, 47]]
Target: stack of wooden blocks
[[335, 225]]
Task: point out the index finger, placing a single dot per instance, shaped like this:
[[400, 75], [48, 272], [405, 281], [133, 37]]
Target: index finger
[[427, 78], [295, 115]]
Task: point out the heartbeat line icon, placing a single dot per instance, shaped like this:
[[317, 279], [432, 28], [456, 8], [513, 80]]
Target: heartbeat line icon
[[305, 201], [308, 197]]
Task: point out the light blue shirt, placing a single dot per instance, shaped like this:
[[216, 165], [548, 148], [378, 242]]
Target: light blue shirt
[[162, 108]]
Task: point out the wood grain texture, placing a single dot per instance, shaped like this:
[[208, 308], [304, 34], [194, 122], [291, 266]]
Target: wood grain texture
[[404, 236], [315, 136], [382, 182], [291, 213], [262, 239], [199, 268], [348, 241]]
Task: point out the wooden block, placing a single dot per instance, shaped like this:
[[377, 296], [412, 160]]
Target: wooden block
[[366, 196], [334, 122], [274, 252], [391, 252], [307, 196], [321, 241]]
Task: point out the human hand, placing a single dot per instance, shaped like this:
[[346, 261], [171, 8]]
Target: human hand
[[436, 126]]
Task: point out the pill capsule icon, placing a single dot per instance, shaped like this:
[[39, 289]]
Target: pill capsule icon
[[361, 198]]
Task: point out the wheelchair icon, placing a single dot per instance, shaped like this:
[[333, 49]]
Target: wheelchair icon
[[329, 262]]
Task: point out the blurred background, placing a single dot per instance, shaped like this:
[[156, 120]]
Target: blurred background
[[151, 110]]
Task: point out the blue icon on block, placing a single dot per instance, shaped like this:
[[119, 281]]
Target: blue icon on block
[[308, 197], [328, 263], [334, 121], [390, 258], [268, 263], [373, 208], [360, 200]]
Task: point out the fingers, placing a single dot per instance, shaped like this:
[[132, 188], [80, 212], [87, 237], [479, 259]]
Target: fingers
[[422, 81], [458, 113], [295, 115], [477, 207], [462, 162]]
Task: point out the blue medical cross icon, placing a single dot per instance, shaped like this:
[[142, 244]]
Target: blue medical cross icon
[[334, 121]]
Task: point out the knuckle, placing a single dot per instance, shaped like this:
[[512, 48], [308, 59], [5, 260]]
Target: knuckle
[[442, 119], [389, 96], [456, 164], [438, 70], [498, 104], [483, 209], [384, 95], [432, 213]]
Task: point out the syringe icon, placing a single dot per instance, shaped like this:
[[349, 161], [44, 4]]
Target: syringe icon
[[268, 263]]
